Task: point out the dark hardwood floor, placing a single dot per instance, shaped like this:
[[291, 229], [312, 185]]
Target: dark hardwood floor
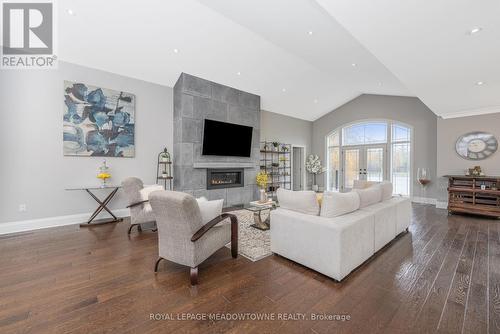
[[443, 276]]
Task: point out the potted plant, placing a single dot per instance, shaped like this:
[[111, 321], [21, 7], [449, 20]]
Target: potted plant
[[275, 145], [313, 166], [262, 183]]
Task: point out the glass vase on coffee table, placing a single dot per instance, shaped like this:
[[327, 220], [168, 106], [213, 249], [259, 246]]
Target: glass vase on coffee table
[[424, 178]]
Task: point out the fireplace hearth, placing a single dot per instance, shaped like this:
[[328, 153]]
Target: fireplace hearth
[[225, 178]]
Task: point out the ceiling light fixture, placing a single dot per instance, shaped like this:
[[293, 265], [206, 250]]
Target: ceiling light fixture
[[475, 30], [310, 32], [238, 73], [380, 83], [176, 50], [283, 90], [354, 64], [480, 83], [315, 100], [70, 12]]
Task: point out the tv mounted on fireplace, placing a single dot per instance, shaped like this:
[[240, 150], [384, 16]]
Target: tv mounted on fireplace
[[226, 139]]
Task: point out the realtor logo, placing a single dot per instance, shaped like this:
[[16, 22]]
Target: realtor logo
[[28, 35]]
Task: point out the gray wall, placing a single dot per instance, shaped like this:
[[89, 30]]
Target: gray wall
[[409, 110], [285, 129], [196, 99], [33, 169], [289, 130], [448, 161]]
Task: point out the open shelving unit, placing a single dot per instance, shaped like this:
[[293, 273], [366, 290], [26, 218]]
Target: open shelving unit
[[276, 162], [164, 170], [474, 194]]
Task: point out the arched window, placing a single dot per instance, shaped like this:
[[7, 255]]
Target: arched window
[[373, 151]]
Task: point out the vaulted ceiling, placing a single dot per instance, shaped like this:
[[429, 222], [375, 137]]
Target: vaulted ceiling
[[447, 52], [303, 57]]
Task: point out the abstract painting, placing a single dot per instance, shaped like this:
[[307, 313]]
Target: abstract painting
[[98, 122]]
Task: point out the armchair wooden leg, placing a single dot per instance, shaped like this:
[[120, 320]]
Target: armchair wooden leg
[[130, 229], [194, 276], [234, 238], [157, 263], [139, 228]]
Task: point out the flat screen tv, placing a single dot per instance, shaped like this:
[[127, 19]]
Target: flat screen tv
[[226, 139]]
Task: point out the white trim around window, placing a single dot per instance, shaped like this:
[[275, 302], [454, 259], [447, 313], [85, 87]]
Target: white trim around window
[[388, 144]]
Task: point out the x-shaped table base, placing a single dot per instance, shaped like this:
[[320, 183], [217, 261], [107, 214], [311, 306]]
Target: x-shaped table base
[[102, 206]]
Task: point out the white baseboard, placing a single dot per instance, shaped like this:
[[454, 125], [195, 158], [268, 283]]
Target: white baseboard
[[442, 204], [36, 224], [424, 200]]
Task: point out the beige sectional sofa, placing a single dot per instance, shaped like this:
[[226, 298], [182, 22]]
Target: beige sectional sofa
[[336, 246]]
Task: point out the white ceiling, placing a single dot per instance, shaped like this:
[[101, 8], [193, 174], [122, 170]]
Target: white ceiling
[[427, 45], [266, 41]]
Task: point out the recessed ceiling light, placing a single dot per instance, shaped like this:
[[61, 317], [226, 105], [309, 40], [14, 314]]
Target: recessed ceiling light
[[480, 83], [310, 32], [475, 30], [176, 50], [283, 90], [354, 64], [70, 12], [238, 73]]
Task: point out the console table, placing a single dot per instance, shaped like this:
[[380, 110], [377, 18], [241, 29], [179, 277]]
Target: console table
[[474, 194], [103, 204]]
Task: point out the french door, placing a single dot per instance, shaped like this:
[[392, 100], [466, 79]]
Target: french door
[[363, 163]]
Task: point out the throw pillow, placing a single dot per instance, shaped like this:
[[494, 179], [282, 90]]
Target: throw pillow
[[300, 201], [210, 209], [369, 195], [386, 190], [319, 197], [202, 199], [338, 204], [148, 190]]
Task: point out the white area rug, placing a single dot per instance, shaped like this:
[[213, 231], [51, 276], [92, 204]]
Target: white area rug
[[253, 244]]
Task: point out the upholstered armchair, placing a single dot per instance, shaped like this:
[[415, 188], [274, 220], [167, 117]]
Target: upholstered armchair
[[183, 238], [140, 210]]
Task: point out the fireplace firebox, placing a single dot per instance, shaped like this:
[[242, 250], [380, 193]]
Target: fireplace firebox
[[225, 178]]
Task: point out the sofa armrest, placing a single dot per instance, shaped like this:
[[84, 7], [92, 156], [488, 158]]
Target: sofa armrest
[[331, 246], [310, 240]]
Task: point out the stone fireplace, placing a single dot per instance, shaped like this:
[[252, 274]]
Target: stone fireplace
[[225, 178], [195, 100]]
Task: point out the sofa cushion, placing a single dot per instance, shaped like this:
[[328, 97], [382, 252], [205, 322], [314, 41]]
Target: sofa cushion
[[336, 204], [210, 209], [362, 184], [369, 195], [300, 201], [386, 190], [148, 190]]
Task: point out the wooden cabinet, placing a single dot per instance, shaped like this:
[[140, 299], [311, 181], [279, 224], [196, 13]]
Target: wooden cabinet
[[474, 194]]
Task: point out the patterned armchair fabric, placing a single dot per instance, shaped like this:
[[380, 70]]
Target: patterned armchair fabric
[[178, 217]]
